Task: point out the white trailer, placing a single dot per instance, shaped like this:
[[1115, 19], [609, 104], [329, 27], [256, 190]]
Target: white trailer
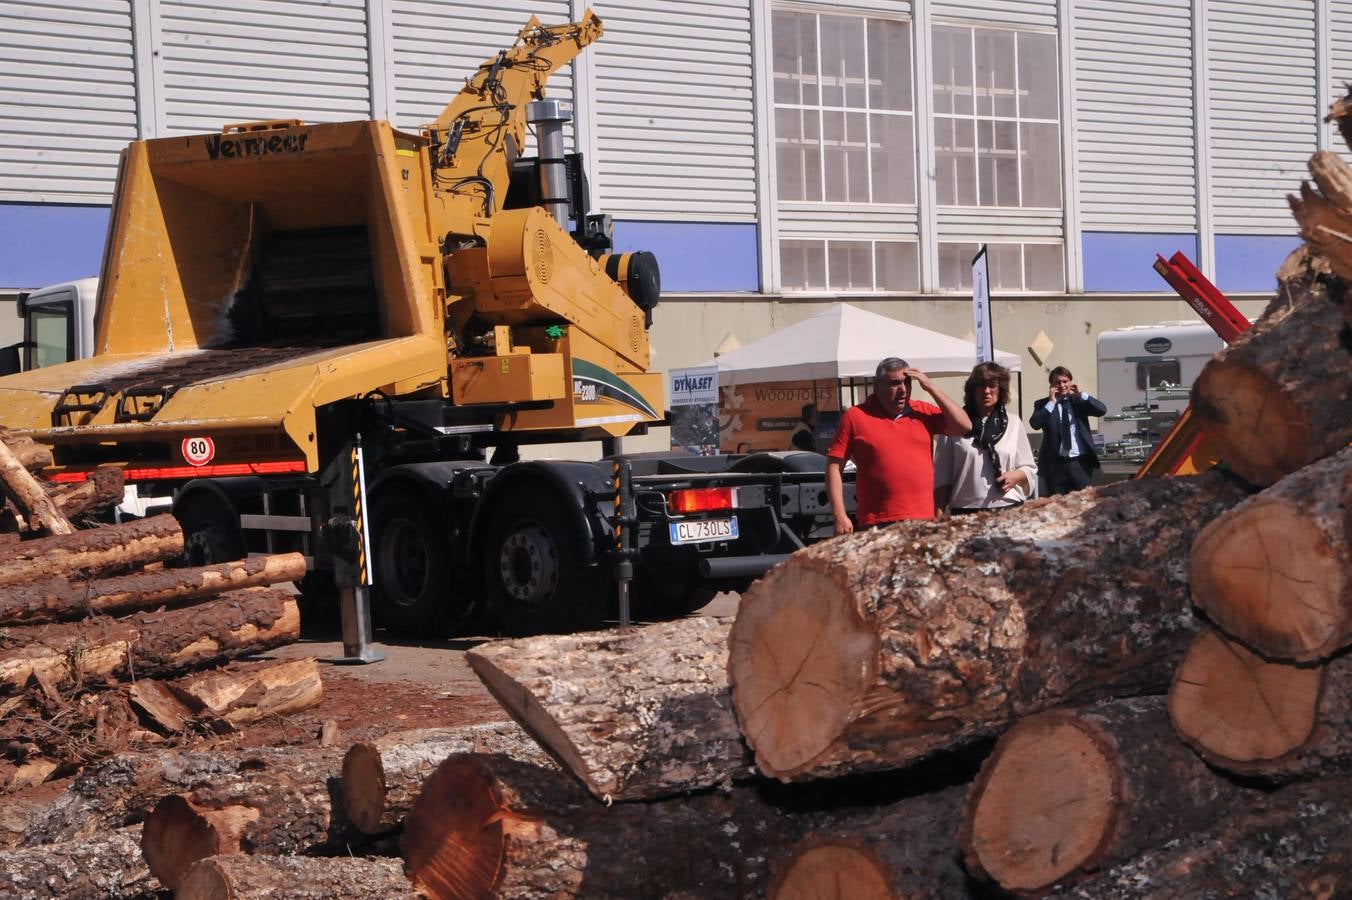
[[1149, 358]]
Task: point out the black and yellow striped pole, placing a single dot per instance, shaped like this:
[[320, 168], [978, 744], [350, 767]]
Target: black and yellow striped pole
[[621, 481], [356, 600]]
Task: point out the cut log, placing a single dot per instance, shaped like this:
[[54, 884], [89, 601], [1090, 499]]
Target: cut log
[[1070, 791], [904, 850], [1291, 843], [239, 877], [381, 778], [1257, 717], [635, 715], [158, 706], [27, 493], [250, 692], [31, 455], [157, 643], [1276, 571], [878, 648], [93, 551], [488, 826], [96, 494], [108, 864], [59, 597], [271, 804], [1277, 398], [1325, 215], [123, 789]]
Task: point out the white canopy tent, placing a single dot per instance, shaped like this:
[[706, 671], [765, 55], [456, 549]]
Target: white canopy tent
[[845, 343]]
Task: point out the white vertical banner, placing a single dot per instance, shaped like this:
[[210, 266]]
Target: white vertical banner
[[981, 308]]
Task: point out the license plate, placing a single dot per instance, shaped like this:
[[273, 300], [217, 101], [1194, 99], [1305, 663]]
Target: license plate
[[701, 531]]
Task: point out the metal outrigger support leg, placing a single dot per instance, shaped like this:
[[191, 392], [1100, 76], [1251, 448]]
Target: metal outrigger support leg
[[356, 611], [356, 598]]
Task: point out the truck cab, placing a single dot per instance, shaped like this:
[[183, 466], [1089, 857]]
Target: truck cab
[[58, 326]]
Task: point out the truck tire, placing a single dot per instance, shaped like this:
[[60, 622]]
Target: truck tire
[[535, 578], [416, 591], [211, 532]]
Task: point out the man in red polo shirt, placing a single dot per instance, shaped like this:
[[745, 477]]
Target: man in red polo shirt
[[889, 437]]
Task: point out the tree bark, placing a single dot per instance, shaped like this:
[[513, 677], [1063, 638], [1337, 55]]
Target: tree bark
[[1276, 571], [381, 778], [27, 493], [93, 551], [17, 818], [31, 455], [239, 877], [270, 805], [229, 697], [634, 715], [1291, 843], [876, 649], [108, 864], [1276, 720], [123, 789], [103, 489], [1071, 791], [155, 643], [1276, 399], [490, 826], [59, 597], [905, 850]]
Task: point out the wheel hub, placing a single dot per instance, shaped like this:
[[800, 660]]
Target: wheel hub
[[529, 565], [405, 561]]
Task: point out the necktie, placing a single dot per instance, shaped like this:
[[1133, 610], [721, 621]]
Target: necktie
[[1065, 428]]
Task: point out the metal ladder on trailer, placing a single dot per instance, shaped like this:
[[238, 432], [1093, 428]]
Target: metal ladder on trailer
[[1185, 450]]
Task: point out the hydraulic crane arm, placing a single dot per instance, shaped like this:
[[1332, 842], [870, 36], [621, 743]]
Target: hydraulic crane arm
[[482, 130]]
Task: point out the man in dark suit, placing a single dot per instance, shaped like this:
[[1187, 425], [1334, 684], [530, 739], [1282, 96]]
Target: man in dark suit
[[1067, 459]]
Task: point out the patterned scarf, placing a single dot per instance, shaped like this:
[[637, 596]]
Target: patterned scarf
[[986, 434]]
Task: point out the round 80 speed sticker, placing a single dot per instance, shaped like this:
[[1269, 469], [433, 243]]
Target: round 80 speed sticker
[[198, 451]]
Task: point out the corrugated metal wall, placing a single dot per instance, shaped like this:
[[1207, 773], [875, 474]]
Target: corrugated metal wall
[[1340, 60], [67, 99], [675, 120], [1035, 13], [261, 59], [1263, 109], [436, 45], [1133, 78]]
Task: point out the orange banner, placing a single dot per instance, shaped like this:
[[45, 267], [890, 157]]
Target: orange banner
[[755, 417]]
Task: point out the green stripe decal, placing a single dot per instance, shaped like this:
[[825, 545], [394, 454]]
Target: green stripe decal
[[612, 386]]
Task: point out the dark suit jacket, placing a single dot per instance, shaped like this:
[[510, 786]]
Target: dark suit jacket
[[1049, 454]]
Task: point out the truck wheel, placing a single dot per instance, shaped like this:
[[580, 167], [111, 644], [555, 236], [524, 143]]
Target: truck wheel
[[211, 532], [414, 580], [534, 576]]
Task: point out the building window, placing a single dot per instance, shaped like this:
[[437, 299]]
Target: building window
[[849, 265], [844, 125], [997, 130], [1012, 267]]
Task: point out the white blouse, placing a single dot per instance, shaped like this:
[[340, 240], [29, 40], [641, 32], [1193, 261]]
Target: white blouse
[[960, 464]]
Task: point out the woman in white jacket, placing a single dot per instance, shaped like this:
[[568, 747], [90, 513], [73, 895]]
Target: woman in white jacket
[[992, 466]]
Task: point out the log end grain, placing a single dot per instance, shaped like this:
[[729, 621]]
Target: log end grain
[[1264, 433], [456, 835], [832, 872], [1267, 574], [364, 787], [1044, 805], [1235, 707], [799, 660], [177, 833]]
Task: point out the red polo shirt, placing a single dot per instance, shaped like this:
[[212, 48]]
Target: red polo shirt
[[893, 458]]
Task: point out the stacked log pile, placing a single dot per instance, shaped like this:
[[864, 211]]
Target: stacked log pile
[[1134, 690], [97, 635]]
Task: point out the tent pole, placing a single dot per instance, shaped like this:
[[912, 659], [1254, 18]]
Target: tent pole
[[1020, 374]]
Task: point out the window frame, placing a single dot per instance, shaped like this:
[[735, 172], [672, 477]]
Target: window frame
[[912, 241], [845, 110], [976, 119]]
